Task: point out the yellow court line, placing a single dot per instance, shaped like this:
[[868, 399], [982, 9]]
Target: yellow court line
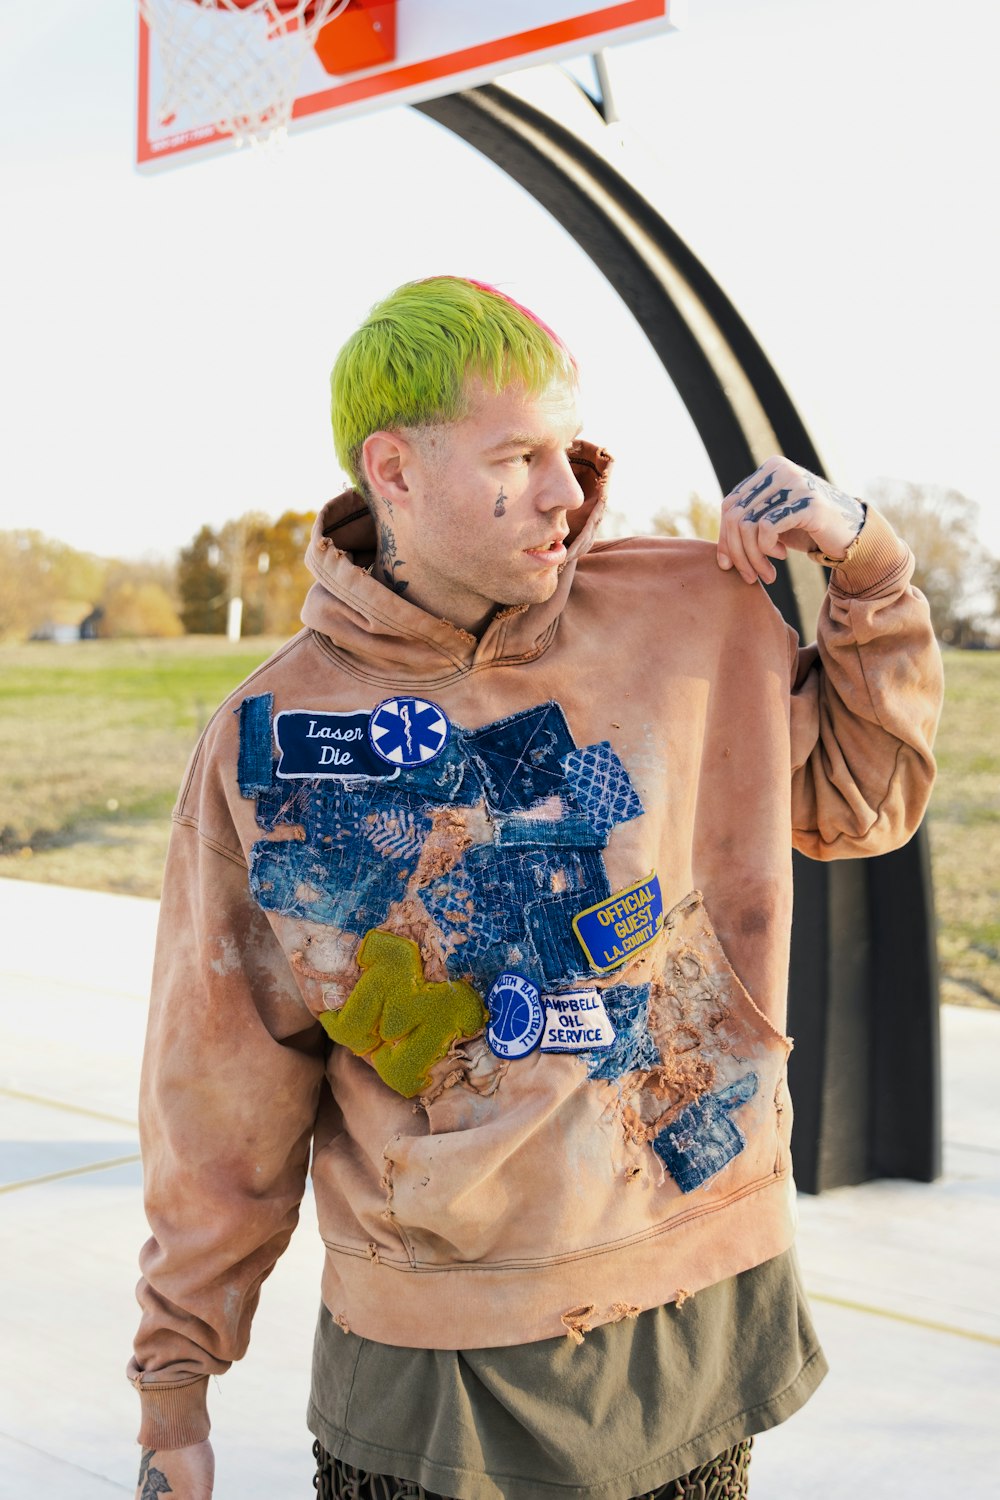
[[72, 1109], [97, 1166], [898, 1317]]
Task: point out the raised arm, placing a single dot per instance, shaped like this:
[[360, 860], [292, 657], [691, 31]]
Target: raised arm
[[867, 696]]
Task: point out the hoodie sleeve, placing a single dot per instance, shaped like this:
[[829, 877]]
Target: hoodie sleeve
[[231, 1078], [866, 699]]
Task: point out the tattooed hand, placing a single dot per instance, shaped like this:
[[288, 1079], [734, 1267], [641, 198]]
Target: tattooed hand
[[185, 1473], [782, 506]]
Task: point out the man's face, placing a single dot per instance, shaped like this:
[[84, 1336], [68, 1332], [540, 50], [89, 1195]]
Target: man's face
[[488, 503]]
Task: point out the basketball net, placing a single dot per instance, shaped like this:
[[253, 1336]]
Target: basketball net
[[235, 64]]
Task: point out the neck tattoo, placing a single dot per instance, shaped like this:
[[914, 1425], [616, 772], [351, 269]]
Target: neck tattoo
[[498, 509]]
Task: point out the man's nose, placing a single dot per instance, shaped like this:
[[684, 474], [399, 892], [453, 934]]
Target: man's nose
[[563, 492]]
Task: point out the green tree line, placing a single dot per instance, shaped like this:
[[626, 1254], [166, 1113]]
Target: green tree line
[[48, 585]]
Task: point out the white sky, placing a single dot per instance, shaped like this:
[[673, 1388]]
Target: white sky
[[167, 339]]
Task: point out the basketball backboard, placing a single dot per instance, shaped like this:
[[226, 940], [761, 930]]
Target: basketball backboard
[[383, 52]]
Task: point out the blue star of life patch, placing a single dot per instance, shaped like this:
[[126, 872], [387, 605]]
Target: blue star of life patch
[[327, 746], [516, 1015], [408, 731]]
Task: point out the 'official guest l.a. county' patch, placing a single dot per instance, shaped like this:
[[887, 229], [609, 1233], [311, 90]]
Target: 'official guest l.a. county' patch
[[614, 930]]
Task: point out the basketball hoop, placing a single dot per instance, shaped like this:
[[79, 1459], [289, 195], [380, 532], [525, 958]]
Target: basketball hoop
[[235, 62]]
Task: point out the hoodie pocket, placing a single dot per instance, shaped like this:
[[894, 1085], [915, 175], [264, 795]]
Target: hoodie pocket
[[718, 1091]]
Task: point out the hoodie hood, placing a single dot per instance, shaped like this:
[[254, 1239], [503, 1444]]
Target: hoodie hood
[[381, 636]]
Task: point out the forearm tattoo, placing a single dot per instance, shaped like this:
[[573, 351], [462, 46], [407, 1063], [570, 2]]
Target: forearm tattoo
[[499, 508], [154, 1482], [388, 563]]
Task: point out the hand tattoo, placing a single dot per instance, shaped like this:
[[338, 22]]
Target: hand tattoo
[[757, 490], [778, 507], [389, 564], [499, 508], [852, 509], [154, 1481]]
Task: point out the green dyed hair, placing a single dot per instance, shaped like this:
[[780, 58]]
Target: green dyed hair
[[409, 362]]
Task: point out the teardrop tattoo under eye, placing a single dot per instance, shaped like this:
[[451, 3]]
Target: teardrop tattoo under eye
[[499, 508]]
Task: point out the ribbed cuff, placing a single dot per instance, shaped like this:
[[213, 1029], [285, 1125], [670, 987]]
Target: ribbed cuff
[[876, 557], [173, 1416]]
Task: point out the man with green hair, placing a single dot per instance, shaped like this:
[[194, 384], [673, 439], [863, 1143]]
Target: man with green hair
[[479, 894]]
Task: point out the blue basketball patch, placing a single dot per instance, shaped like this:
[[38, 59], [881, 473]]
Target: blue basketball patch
[[408, 731], [516, 1016]]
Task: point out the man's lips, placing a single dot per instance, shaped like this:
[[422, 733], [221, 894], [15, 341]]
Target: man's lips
[[550, 551]]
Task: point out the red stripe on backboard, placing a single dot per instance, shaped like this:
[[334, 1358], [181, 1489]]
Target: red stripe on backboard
[[575, 28]]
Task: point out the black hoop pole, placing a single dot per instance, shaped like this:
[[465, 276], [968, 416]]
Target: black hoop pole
[[863, 994]]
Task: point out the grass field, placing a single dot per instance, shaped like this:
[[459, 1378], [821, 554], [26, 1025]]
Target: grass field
[[94, 739]]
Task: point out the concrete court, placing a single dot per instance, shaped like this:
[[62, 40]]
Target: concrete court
[[904, 1275]]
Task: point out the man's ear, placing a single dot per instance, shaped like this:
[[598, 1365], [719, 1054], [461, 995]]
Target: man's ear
[[385, 456]]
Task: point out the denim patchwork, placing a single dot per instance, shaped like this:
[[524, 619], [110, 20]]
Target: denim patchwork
[[254, 767], [633, 1048], [703, 1139], [571, 830], [504, 905], [449, 778], [337, 880], [601, 787], [580, 881], [519, 757]]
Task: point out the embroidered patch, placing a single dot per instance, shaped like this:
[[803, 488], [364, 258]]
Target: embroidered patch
[[614, 930], [516, 1016], [703, 1139], [402, 1022], [576, 1022], [408, 731], [328, 746]]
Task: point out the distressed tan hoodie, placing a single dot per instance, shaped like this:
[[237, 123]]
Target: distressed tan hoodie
[[499, 930]]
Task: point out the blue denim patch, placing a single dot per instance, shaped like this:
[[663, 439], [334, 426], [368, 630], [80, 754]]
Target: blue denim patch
[[347, 876], [519, 757], [254, 768], [703, 1139], [449, 778], [633, 1048], [572, 830], [580, 877], [601, 787]]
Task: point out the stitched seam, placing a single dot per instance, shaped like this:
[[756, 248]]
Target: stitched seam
[[610, 1246], [235, 855], [326, 645]]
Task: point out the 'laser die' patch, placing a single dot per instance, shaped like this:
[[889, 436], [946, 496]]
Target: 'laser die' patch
[[614, 930], [327, 746], [516, 1016], [576, 1022], [408, 731]]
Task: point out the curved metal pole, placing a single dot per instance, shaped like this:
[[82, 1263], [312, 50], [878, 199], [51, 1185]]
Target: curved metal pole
[[863, 992]]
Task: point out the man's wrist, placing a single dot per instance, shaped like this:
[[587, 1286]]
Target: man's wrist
[[828, 560]]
